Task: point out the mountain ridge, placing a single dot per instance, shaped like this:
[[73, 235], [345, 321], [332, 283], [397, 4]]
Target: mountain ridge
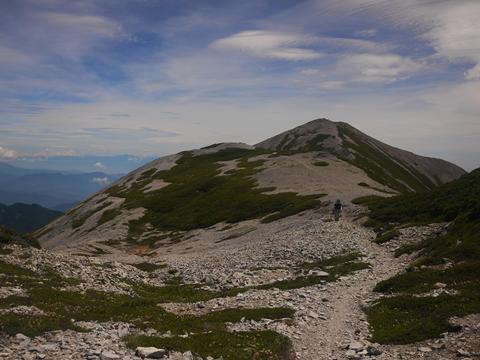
[[179, 196]]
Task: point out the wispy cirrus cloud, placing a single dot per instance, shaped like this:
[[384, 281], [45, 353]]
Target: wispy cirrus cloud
[[159, 76], [270, 44], [383, 68]]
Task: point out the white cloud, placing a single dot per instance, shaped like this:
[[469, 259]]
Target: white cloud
[[86, 24], [99, 165], [383, 68], [270, 44], [101, 181], [455, 34], [7, 154]]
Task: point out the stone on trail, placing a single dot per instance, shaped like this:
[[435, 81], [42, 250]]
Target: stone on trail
[[356, 346], [319, 273], [109, 355], [424, 349], [150, 352]]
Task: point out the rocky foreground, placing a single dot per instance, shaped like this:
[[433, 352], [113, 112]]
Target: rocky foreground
[[288, 270]]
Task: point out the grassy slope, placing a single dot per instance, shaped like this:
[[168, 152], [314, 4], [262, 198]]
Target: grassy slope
[[381, 167], [197, 197], [403, 317]]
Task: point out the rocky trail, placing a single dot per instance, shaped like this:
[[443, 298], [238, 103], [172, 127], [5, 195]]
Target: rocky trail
[[329, 321]]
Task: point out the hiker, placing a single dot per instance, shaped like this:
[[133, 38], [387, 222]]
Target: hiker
[[337, 209]]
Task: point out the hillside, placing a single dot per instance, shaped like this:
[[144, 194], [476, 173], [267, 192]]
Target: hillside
[[26, 218], [449, 261], [231, 252], [185, 196]]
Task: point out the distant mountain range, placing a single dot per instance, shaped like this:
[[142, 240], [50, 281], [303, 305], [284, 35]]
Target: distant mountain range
[[117, 164], [52, 189], [26, 218]]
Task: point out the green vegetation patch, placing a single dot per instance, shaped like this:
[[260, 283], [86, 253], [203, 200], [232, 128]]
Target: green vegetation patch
[[64, 308], [385, 237], [405, 319], [149, 267], [452, 259], [335, 267], [5, 251], [108, 215], [82, 219], [259, 345], [197, 197], [182, 293]]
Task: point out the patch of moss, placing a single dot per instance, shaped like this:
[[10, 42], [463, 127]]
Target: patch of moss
[[259, 345], [365, 200], [5, 251], [385, 237], [149, 267], [335, 267], [404, 319], [76, 223], [108, 215]]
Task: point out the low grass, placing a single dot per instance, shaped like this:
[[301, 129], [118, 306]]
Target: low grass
[[79, 221], [5, 251], [149, 267], [208, 335], [385, 237], [258, 345], [197, 198], [335, 267], [64, 308], [108, 215], [404, 317]]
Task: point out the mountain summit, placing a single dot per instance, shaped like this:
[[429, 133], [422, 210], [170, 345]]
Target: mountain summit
[[198, 199]]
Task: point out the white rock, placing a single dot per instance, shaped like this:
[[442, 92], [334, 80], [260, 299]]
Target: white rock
[[355, 345], [109, 355], [424, 349], [351, 354]]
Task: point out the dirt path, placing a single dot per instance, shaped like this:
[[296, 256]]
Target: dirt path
[[328, 317], [341, 305]]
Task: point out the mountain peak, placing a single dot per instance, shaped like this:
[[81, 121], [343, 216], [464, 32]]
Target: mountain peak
[[192, 192], [312, 135]]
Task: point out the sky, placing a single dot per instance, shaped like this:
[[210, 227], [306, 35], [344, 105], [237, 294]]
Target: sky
[[153, 77]]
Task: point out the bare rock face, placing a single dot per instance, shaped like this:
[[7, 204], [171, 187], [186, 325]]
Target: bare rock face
[[320, 158]]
